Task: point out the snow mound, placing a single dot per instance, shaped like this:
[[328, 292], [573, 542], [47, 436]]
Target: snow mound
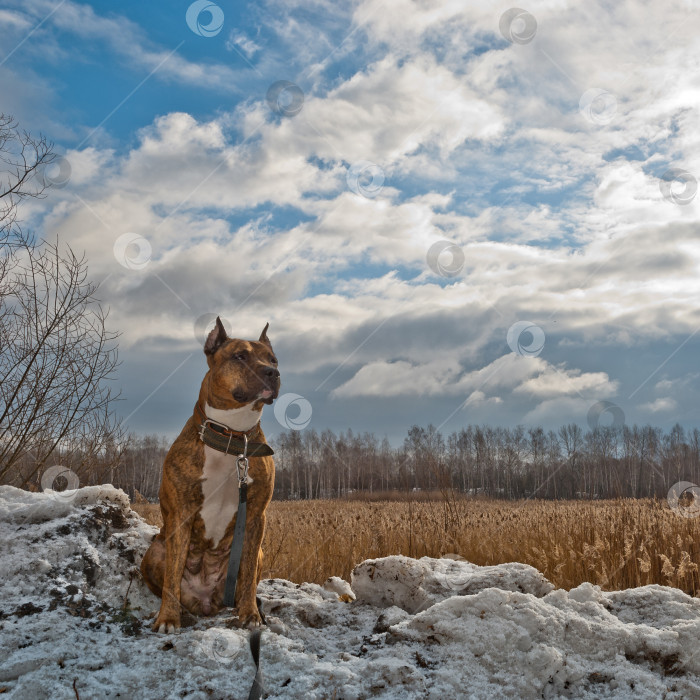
[[79, 548], [415, 585], [19, 506], [73, 611]]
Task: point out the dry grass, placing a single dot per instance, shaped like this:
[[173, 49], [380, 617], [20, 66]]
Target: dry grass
[[615, 544], [150, 512]]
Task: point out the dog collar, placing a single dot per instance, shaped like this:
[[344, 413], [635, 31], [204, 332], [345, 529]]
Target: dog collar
[[224, 439]]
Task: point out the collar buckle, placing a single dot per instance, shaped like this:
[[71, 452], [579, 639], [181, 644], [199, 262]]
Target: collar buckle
[[203, 427]]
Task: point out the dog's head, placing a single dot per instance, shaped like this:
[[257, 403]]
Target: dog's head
[[241, 372]]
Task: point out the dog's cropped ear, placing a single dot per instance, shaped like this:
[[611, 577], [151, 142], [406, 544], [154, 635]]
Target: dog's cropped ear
[[263, 336], [216, 338]]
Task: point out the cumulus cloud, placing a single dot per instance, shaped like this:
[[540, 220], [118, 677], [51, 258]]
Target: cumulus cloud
[[399, 378], [554, 381], [509, 374]]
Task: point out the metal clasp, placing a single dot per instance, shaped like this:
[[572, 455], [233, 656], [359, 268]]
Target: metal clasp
[[242, 463]]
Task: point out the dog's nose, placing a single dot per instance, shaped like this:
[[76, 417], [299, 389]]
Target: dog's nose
[[271, 372]]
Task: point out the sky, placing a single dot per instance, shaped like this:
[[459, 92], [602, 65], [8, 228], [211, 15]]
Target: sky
[[449, 213]]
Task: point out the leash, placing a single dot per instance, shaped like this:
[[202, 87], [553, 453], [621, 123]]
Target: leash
[[234, 564]]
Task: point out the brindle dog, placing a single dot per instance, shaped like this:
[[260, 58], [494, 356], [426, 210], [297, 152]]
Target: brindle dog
[[187, 561]]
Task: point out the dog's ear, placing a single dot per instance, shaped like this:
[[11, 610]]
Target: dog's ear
[[263, 336], [216, 338]]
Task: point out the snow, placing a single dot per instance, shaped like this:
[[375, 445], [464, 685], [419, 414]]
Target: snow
[[401, 628], [24, 507], [417, 585]]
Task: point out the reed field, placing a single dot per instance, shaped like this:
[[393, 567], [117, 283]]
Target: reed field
[[616, 544]]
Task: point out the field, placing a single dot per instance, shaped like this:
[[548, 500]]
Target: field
[[615, 544]]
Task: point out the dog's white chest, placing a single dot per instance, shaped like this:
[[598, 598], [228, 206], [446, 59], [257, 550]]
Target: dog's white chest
[[220, 490]]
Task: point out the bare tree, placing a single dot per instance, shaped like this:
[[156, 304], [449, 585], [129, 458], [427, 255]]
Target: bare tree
[[57, 357], [23, 160], [56, 354]]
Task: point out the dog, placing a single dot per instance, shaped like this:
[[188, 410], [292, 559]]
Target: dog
[[186, 564]]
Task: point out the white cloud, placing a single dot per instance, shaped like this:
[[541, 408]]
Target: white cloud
[[399, 378], [10, 18], [89, 165], [670, 386], [509, 374], [556, 381], [238, 40], [660, 405], [391, 109]]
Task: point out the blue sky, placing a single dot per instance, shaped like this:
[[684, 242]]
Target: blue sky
[[535, 145]]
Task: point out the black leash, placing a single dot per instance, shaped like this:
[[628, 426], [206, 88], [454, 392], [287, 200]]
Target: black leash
[[234, 560], [257, 688], [234, 564]]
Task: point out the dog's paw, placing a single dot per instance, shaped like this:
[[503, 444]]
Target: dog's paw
[[249, 620], [166, 624]]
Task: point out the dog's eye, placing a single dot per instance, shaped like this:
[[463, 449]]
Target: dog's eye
[[240, 356], [273, 360]]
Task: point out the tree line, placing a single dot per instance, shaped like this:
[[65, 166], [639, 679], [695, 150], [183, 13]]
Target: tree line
[[508, 463]]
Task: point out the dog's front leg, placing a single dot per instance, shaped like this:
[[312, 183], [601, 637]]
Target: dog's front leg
[[177, 544], [248, 576]]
